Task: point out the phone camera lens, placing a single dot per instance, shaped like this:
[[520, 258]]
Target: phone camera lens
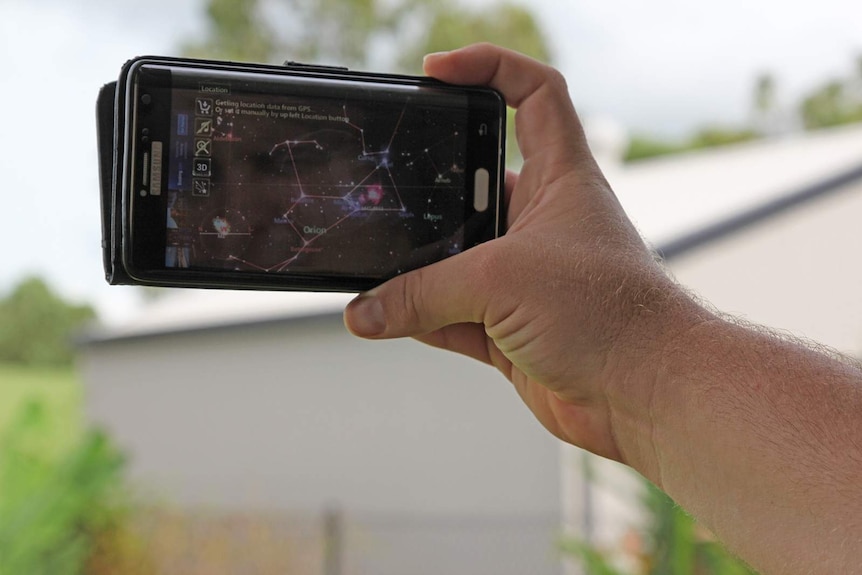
[[146, 99]]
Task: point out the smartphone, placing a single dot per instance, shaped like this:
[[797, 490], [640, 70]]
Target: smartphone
[[296, 177]]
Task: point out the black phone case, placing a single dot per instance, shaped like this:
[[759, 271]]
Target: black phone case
[[110, 130], [107, 134]]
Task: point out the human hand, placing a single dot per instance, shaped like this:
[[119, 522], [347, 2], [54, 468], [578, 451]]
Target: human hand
[[565, 304]]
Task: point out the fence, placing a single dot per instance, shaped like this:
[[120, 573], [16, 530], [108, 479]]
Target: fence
[[337, 543]]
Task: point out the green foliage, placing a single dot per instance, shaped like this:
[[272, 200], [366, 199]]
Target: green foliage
[[236, 32], [36, 325], [712, 137], [52, 504], [674, 545], [312, 31], [56, 388], [346, 32], [592, 560], [302, 30], [643, 147], [509, 25], [680, 547], [834, 104], [340, 32]]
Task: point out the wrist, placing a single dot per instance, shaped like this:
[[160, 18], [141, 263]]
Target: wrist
[[639, 372]]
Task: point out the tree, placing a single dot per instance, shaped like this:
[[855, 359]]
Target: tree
[[766, 114], [236, 32], [765, 121], [506, 25], [357, 34], [764, 94], [830, 105], [838, 101], [310, 31], [643, 147], [36, 325]]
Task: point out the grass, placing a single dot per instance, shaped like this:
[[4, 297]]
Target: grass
[[59, 392], [60, 485]]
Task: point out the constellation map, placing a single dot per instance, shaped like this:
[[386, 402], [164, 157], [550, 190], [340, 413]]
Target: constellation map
[[345, 188]]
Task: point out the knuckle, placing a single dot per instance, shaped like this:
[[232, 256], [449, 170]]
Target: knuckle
[[485, 262], [491, 262], [557, 81], [412, 297]]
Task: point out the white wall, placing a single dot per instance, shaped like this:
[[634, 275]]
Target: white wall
[[433, 455], [302, 414]]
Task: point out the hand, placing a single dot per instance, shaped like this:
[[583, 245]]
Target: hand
[[757, 436], [566, 296]]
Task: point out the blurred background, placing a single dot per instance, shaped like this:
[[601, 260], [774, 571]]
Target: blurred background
[[175, 431]]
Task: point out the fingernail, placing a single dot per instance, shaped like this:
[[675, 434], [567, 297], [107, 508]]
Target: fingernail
[[365, 315], [433, 56]]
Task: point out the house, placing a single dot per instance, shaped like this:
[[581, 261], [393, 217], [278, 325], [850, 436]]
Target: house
[[406, 459], [230, 403], [767, 231]]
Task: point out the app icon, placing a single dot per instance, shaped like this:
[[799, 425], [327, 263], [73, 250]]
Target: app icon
[[204, 106], [203, 147], [200, 187], [202, 167], [203, 126]]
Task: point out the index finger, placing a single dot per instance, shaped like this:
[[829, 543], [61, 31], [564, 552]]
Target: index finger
[[546, 119]]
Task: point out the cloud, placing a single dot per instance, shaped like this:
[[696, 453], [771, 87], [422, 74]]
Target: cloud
[[668, 65]]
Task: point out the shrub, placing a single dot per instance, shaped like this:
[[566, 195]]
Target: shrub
[[52, 504]]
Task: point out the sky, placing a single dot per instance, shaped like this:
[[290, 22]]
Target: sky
[[663, 67]]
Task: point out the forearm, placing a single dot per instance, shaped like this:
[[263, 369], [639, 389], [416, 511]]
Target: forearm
[[758, 437]]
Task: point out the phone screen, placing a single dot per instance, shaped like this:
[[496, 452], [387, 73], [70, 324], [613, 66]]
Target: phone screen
[[290, 175]]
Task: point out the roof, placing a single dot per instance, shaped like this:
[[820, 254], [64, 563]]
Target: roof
[[677, 202], [737, 222], [677, 195], [183, 310]]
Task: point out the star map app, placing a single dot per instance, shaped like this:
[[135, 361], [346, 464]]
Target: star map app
[[278, 183]]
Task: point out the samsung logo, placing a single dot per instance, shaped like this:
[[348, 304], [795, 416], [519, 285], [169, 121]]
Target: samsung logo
[[213, 89]]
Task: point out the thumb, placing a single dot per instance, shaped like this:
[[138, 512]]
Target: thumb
[[423, 300]]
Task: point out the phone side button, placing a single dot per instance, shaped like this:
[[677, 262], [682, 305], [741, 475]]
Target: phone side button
[[481, 179]]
